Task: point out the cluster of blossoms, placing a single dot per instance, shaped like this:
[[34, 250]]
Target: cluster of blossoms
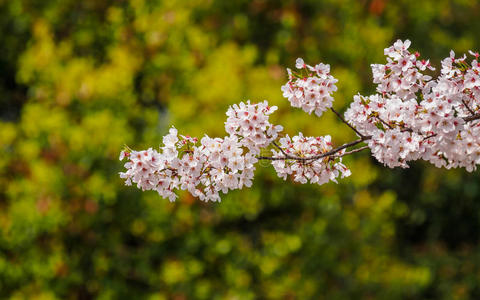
[[205, 167], [402, 73], [412, 116], [415, 117], [250, 124], [318, 170], [311, 88]]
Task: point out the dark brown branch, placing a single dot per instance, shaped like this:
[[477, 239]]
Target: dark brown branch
[[381, 120], [280, 148], [331, 152], [430, 136], [472, 118], [348, 124], [344, 146], [286, 155], [468, 107]]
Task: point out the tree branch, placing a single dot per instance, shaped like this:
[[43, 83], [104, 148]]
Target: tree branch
[[348, 124], [472, 118], [381, 120], [315, 157], [363, 138], [280, 148], [468, 107]]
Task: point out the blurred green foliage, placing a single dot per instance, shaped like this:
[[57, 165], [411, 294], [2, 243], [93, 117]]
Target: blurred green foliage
[[79, 79]]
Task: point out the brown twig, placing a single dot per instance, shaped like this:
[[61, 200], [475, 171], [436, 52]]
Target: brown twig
[[468, 107], [363, 138], [472, 118], [280, 148], [348, 124], [331, 152], [430, 136], [381, 120]]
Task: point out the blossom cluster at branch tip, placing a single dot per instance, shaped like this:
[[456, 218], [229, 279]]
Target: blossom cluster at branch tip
[[251, 125], [310, 88], [414, 116]]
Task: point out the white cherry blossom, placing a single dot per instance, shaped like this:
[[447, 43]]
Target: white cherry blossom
[[310, 89], [411, 116]]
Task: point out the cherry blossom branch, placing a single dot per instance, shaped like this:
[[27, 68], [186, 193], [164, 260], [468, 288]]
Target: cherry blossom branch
[[316, 157], [384, 122], [287, 156], [344, 146], [280, 148], [466, 119], [429, 136], [414, 107], [468, 107], [472, 118]]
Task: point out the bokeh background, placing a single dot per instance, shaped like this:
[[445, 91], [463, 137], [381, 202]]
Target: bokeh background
[[80, 79]]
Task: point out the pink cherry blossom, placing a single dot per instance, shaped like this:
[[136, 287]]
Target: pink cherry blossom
[[310, 89], [411, 116]]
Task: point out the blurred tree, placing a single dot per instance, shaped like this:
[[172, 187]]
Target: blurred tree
[[82, 78]]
